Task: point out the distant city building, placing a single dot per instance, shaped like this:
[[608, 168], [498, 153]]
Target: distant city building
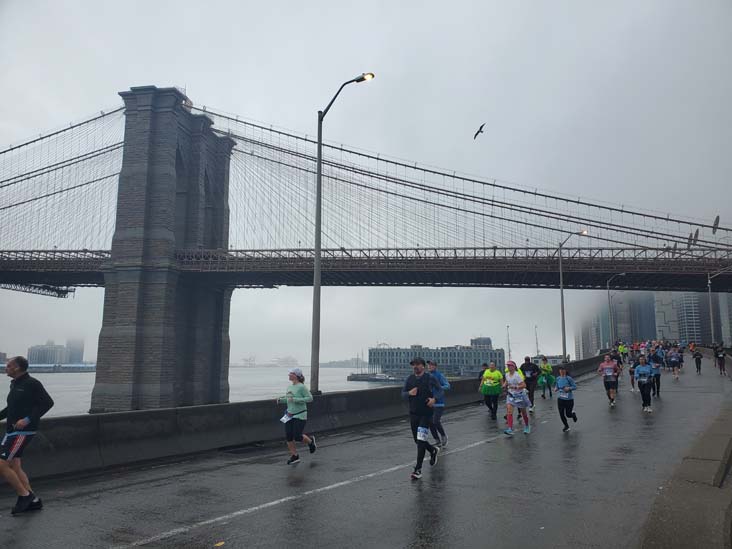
[[459, 360], [3, 358], [50, 353], [673, 316], [76, 350]]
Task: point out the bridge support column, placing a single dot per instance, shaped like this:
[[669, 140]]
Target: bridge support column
[[165, 334]]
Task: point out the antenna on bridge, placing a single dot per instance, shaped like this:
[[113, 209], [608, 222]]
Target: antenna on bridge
[[536, 335], [508, 341], [715, 226]]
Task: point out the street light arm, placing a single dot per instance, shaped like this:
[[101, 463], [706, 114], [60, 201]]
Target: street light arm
[[327, 108], [721, 271]]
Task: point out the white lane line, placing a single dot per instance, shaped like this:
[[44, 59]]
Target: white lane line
[[250, 510]]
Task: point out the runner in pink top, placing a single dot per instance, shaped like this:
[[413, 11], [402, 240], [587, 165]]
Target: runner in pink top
[[609, 371]]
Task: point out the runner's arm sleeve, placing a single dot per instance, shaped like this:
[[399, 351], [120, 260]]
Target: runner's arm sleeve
[[306, 396], [42, 403], [443, 381], [405, 389], [572, 384], [437, 391]]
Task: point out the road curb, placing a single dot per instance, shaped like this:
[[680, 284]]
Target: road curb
[[694, 509]]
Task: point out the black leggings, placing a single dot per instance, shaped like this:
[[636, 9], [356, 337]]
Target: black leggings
[[436, 425], [566, 407], [645, 391], [422, 445], [656, 386], [530, 388], [492, 402], [698, 364]]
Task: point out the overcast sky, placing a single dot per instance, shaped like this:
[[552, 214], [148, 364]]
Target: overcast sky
[[625, 102]]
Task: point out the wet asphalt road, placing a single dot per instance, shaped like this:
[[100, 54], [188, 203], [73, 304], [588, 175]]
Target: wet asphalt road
[[592, 487]]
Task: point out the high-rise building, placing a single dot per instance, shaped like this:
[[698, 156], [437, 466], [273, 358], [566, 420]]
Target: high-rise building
[[3, 358], [460, 360], [50, 353], [76, 350]]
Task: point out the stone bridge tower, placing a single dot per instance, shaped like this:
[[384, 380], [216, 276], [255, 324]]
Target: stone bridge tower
[[165, 334]]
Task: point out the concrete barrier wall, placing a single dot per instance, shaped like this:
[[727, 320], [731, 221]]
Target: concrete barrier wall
[[82, 443]]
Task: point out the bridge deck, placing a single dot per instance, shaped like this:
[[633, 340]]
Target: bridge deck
[[592, 487], [585, 268]]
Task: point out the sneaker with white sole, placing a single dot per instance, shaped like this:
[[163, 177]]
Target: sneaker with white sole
[[416, 474], [293, 459], [433, 455], [312, 446]]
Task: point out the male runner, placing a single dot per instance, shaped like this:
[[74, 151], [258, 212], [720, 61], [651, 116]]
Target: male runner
[[531, 375], [422, 390], [698, 360], [438, 431], [28, 401]]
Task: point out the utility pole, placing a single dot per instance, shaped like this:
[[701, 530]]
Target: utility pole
[[508, 341], [536, 335]]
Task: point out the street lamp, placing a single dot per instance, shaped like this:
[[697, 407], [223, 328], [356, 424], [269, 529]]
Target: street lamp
[[610, 308], [315, 345], [561, 291], [710, 276]]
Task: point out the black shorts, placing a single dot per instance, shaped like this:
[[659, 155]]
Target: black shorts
[[610, 385], [13, 445], [294, 429]]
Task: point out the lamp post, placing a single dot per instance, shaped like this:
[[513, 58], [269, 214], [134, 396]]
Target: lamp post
[[561, 292], [610, 309], [315, 340], [710, 276]]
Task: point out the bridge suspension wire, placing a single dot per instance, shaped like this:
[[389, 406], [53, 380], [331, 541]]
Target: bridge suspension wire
[[60, 190], [372, 201]]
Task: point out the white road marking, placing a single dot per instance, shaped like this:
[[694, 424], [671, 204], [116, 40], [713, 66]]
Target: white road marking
[[274, 503]]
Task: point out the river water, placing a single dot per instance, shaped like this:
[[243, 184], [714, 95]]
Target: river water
[[71, 392]]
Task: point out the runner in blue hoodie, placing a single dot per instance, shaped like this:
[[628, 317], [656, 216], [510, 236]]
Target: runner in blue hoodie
[[438, 431], [565, 398], [644, 377]]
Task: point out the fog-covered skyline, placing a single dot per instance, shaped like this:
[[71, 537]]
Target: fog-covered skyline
[[626, 103]]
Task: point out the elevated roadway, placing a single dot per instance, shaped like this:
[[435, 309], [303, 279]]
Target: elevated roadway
[[591, 487]]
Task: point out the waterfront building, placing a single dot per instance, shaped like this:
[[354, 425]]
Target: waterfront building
[[50, 353], [76, 350], [458, 360]]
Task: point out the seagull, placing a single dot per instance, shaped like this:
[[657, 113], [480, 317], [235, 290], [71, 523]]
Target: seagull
[[480, 130]]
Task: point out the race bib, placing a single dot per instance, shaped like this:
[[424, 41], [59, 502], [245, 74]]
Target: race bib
[[287, 417], [422, 433], [609, 372]]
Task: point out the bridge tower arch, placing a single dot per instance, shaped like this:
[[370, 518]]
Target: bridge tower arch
[[164, 340]]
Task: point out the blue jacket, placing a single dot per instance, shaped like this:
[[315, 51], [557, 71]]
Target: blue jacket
[[563, 382], [643, 372], [440, 400]]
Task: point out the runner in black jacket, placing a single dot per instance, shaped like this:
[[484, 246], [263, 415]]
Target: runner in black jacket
[[28, 401], [422, 390]]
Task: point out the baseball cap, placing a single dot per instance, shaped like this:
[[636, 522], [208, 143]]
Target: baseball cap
[[417, 360], [296, 371]]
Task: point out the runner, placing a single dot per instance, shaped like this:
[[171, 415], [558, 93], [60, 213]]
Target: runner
[[438, 431], [565, 398], [516, 397], [422, 390], [721, 355], [547, 377], [491, 387], [674, 360], [531, 377], [28, 402], [631, 370], [698, 360], [609, 371], [623, 349], [296, 398], [644, 376], [655, 363]]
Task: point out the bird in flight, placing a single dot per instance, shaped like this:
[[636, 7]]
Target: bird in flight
[[480, 130]]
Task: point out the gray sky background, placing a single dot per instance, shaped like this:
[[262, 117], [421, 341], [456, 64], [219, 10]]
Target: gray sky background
[[625, 102]]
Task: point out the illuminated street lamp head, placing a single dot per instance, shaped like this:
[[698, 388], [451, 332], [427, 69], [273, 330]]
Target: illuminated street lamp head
[[364, 77], [583, 232]]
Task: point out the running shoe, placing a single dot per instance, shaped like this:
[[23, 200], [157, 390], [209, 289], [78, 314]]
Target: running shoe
[[312, 446], [574, 417], [293, 459], [444, 441], [531, 410], [416, 474], [645, 408], [650, 410], [527, 429], [22, 504], [612, 404], [509, 432], [566, 429], [433, 456], [36, 504]]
